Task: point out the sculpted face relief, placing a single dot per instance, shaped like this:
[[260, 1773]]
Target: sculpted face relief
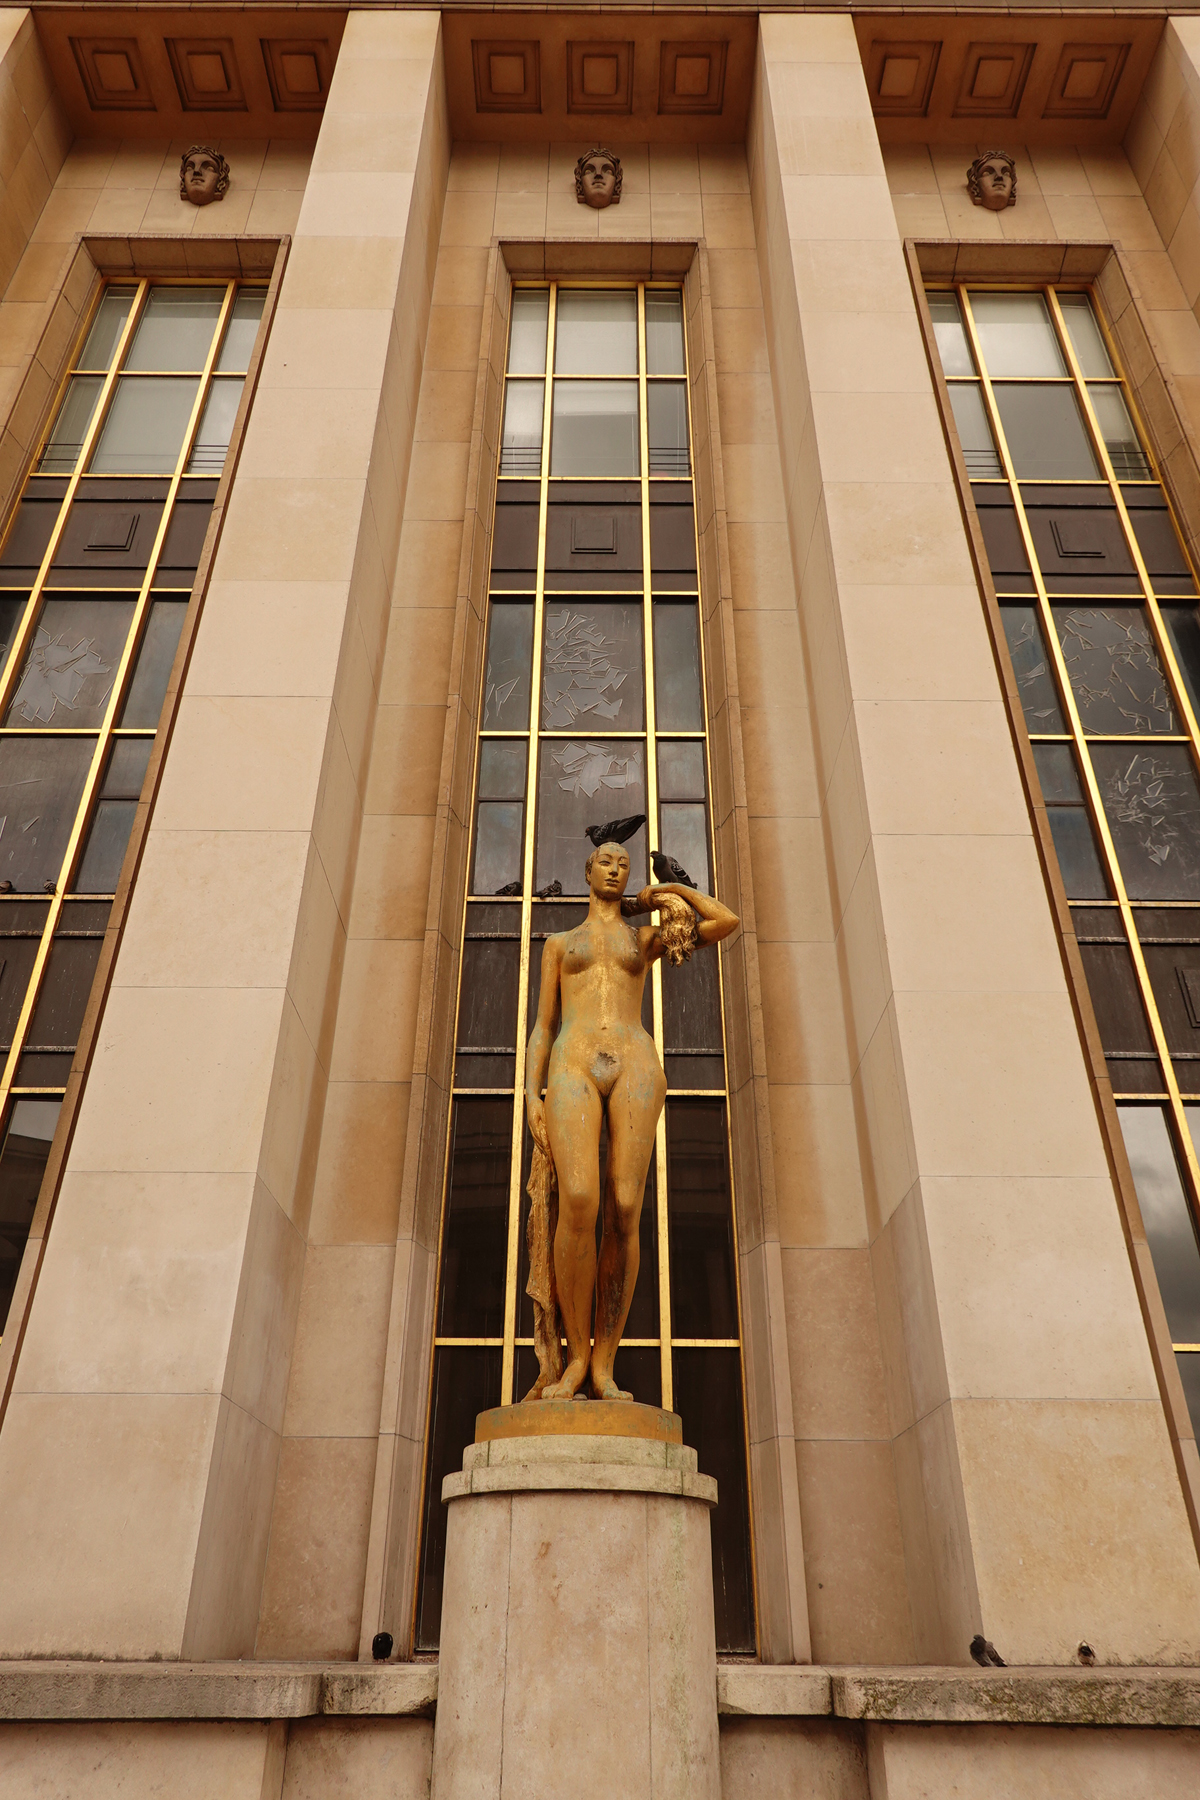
[[203, 175], [598, 179], [602, 1065], [992, 180]]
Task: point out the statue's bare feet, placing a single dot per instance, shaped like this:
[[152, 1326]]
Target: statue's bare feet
[[565, 1389], [605, 1388]]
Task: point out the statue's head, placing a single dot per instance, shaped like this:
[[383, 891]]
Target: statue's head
[[598, 178], [992, 180], [203, 175], [606, 871]]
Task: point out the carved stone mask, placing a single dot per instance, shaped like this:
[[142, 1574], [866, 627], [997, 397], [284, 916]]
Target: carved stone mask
[[598, 179], [992, 180], [203, 175]]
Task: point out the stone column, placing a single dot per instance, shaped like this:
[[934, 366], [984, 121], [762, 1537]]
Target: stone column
[[577, 1653], [1038, 1497], [139, 1452]]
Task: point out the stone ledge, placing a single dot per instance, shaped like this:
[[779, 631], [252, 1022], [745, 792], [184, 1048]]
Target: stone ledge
[[588, 1478], [1034, 1696], [242, 1690]]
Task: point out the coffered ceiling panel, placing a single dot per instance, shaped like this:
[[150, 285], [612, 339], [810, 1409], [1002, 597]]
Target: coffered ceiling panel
[[937, 75], [600, 77], [508, 77], [150, 73]]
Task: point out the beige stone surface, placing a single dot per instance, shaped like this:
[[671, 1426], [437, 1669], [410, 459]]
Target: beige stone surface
[[345, 1758], [908, 1762], [790, 1759], [191, 1761]]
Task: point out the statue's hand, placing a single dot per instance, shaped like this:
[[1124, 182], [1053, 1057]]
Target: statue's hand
[[535, 1112]]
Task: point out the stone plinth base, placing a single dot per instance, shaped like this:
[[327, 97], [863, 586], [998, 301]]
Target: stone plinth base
[[577, 1648]]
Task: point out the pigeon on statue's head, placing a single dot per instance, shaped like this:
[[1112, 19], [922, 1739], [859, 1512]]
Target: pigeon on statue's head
[[617, 831]]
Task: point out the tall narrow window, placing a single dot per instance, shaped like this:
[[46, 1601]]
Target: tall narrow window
[[592, 710], [96, 568], [1099, 606]]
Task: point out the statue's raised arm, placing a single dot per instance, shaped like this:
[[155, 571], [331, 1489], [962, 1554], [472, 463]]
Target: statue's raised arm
[[601, 1066]]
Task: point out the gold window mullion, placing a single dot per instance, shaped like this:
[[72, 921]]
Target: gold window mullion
[[1084, 762], [104, 732]]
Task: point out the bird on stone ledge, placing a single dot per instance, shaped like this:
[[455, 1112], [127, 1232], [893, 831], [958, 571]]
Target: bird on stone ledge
[[1087, 1656], [986, 1654]]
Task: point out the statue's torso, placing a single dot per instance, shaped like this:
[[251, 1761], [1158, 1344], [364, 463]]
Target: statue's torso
[[603, 974]]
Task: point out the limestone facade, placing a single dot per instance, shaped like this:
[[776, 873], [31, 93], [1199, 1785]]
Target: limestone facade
[[962, 1414]]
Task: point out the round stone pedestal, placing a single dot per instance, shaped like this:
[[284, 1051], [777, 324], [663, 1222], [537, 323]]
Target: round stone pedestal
[[577, 1656]]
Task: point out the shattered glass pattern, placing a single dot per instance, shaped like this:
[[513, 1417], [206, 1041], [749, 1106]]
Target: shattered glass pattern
[[1115, 673], [584, 782], [55, 675], [586, 768], [592, 668], [1031, 667], [1153, 807], [509, 652]]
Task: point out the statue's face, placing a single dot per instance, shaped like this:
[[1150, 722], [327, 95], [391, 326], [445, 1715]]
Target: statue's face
[[995, 183], [599, 181], [200, 178], [610, 872]]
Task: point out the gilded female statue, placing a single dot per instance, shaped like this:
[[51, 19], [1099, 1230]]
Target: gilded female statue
[[602, 1064]]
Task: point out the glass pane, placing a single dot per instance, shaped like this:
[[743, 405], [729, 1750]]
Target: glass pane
[[952, 344], [143, 433], [1165, 1213], [500, 817], [596, 332], [592, 668], [680, 771], [1115, 674], [465, 1383], [155, 658], [1183, 629], [66, 985], [112, 821], [128, 761], [683, 834], [176, 328], [487, 1007], [1031, 667], [703, 1297], [27, 1142], [1153, 809], [475, 1233], [1071, 828], [664, 332], [41, 780], [107, 327], [974, 432], [509, 655], [667, 420], [241, 331], [582, 783], [527, 333], [1086, 338], [1189, 1374], [71, 426], [68, 674], [216, 428], [708, 1398], [595, 428], [1045, 433], [501, 770], [692, 1006], [1116, 998], [1125, 453], [1015, 335], [521, 445], [677, 667]]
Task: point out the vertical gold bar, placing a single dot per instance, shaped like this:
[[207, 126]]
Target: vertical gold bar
[[660, 1135], [115, 701], [531, 767], [1083, 757]]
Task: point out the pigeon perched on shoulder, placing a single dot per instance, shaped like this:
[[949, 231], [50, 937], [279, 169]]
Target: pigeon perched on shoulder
[[986, 1654], [617, 831], [511, 892], [667, 869]]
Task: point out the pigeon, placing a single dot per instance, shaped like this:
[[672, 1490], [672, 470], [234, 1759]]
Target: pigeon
[[617, 831], [511, 892], [551, 892], [1087, 1655], [667, 869], [986, 1654]]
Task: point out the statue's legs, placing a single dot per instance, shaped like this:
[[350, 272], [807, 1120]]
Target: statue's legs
[[573, 1121], [634, 1106]]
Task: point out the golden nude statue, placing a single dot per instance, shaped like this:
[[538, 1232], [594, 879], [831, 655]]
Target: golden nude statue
[[602, 1063]]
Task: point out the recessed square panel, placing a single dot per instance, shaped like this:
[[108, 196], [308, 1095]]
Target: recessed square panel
[[299, 71], [1085, 81], [113, 74], [993, 80], [900, 76], [207, 75], [600, 77], [691, 77], [508, 74]]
